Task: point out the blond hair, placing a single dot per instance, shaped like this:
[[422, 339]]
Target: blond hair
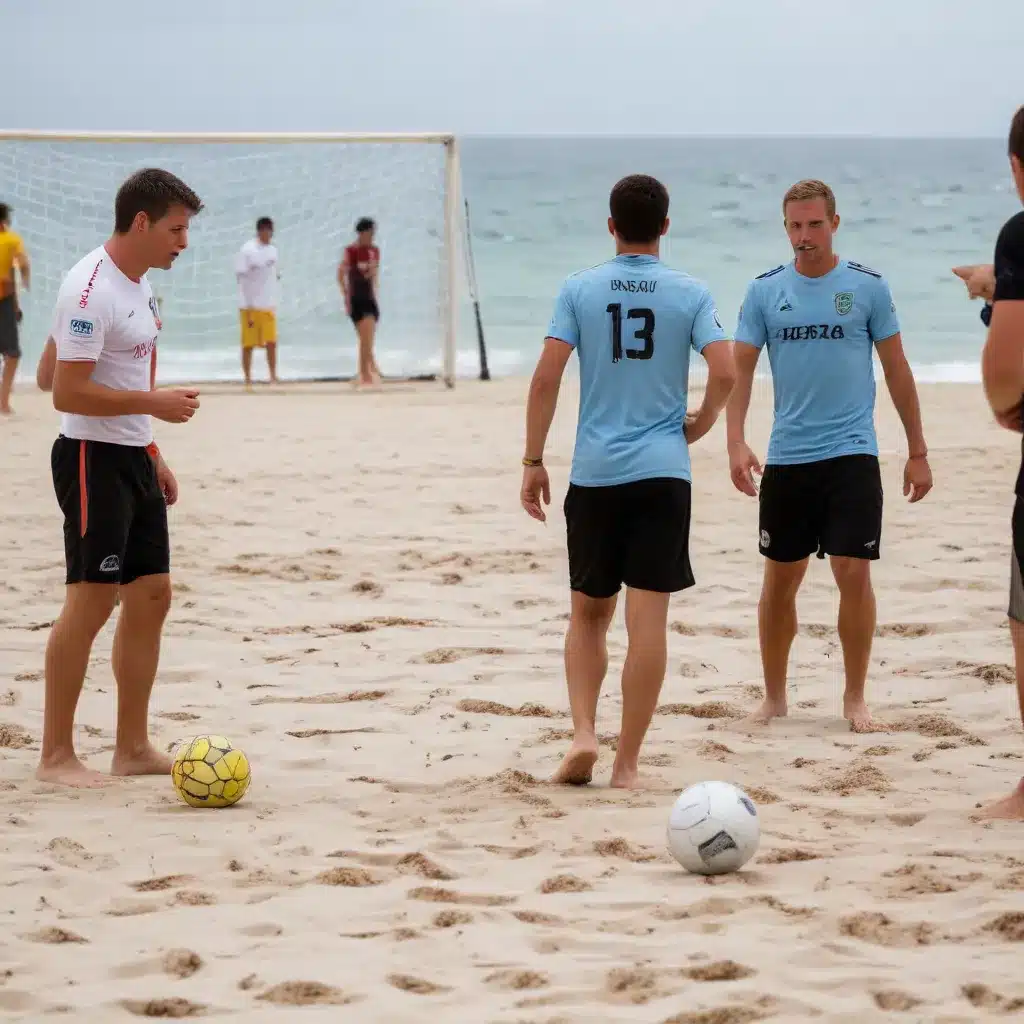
[[810, 188]]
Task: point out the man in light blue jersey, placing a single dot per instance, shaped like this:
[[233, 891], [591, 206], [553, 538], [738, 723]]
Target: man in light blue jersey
[[821, 319], [632, 322]]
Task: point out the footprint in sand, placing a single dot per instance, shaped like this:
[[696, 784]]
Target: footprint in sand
[[881, 930], [490, 707], [709, 710], [432, 894], [176, 1007], [984, 998], [14, 737], [325, 698], [70, 854], [305, 993], [446, 655], [418, 986]]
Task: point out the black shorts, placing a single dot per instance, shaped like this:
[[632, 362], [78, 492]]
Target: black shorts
[[1015, 610], [637, 534], [363, 307], [115, 515], [9, 345], [832, 507]]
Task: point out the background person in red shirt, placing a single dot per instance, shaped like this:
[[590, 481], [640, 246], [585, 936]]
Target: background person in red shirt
[[357, 276]]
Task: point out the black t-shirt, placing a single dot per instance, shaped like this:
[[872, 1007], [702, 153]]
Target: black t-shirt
[[1009, 269]]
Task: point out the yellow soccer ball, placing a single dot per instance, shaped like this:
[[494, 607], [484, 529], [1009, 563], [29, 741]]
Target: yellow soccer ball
[[209, 772]]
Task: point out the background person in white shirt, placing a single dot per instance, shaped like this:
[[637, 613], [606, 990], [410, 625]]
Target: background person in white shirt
[[257, 273], [110, 480]]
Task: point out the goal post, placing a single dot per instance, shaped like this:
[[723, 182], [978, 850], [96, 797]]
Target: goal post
[[60, 187]]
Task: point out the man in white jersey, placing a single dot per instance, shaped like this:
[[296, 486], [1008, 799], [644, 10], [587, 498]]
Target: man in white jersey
[[110, 480], [257, 274]]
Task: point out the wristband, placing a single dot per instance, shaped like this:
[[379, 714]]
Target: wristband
[[922, 455], [154, 452], [532, 462]]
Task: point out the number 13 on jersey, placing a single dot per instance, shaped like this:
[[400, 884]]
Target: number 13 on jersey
[[644, 333]]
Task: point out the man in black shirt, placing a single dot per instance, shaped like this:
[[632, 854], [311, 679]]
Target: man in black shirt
[[1002, 372]]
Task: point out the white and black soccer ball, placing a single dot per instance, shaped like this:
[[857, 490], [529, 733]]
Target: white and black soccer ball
[[713, 828]]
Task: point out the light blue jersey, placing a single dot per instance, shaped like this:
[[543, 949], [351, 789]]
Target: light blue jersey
[[820, 333], [633, 322]]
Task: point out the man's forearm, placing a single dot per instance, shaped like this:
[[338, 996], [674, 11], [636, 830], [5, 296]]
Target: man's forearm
[[540, 411], [716, 393], [736, 407], [903, 392], [92, 399]]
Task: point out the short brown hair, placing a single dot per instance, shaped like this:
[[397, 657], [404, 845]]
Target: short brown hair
[[810, 188], [639, 207], [151, 191], [1017, 135]]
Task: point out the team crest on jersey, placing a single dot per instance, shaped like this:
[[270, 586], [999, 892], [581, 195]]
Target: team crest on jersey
[[81, 328], [844, 302], [155, 311]]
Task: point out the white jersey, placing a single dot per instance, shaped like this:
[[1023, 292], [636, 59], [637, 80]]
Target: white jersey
[[102, 316], [256, 270]]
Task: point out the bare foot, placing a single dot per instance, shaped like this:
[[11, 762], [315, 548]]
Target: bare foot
[[625, 778], [69, 771], [857, 714], [1010, 808], [6, 410], [577, 767], [147, 761], [768, 710]]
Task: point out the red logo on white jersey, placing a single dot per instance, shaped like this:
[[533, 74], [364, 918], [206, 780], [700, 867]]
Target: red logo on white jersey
[[144, 349], [83, 299]]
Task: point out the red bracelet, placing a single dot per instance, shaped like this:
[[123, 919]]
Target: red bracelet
[[153, 450]]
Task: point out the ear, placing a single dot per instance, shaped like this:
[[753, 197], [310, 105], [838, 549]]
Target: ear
[[835, 223], [665, 227], [141, 221], [611, 227]]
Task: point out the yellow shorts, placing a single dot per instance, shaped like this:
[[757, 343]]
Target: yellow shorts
[[259, 327]]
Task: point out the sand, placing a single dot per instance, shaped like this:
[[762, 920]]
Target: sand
[[362, 606]]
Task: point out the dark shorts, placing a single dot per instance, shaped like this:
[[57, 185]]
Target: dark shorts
[[1016, 606], [637, 534], [363, 307], [9, 345], [832, 507], [115, 516]]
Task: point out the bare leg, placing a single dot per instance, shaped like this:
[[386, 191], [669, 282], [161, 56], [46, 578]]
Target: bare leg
[[642, 677], [776, 627], [365, 331], [586, 662], [87, 606], [1011, 808], [136, 653], [10, 367], [856, 631], [272, 361], [247, 366]]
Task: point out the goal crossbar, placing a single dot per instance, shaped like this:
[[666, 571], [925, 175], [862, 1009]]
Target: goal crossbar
[[452, 184], [46, 135]]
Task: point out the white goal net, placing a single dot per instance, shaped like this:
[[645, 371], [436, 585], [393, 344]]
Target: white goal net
[[61, 188]]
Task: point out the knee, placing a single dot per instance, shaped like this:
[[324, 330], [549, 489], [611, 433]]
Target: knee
[[782, 582], [852, 576], [149, 597], [89, 606], [592, 613]]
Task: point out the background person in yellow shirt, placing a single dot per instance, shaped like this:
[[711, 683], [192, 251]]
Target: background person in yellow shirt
[[12, 258]]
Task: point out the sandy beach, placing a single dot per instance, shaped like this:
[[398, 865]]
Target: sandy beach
[[363, 607]]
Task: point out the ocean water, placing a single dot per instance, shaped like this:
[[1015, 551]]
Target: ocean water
[[538, 207]]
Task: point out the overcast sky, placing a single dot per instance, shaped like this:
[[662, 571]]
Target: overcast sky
[[876, 67]]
